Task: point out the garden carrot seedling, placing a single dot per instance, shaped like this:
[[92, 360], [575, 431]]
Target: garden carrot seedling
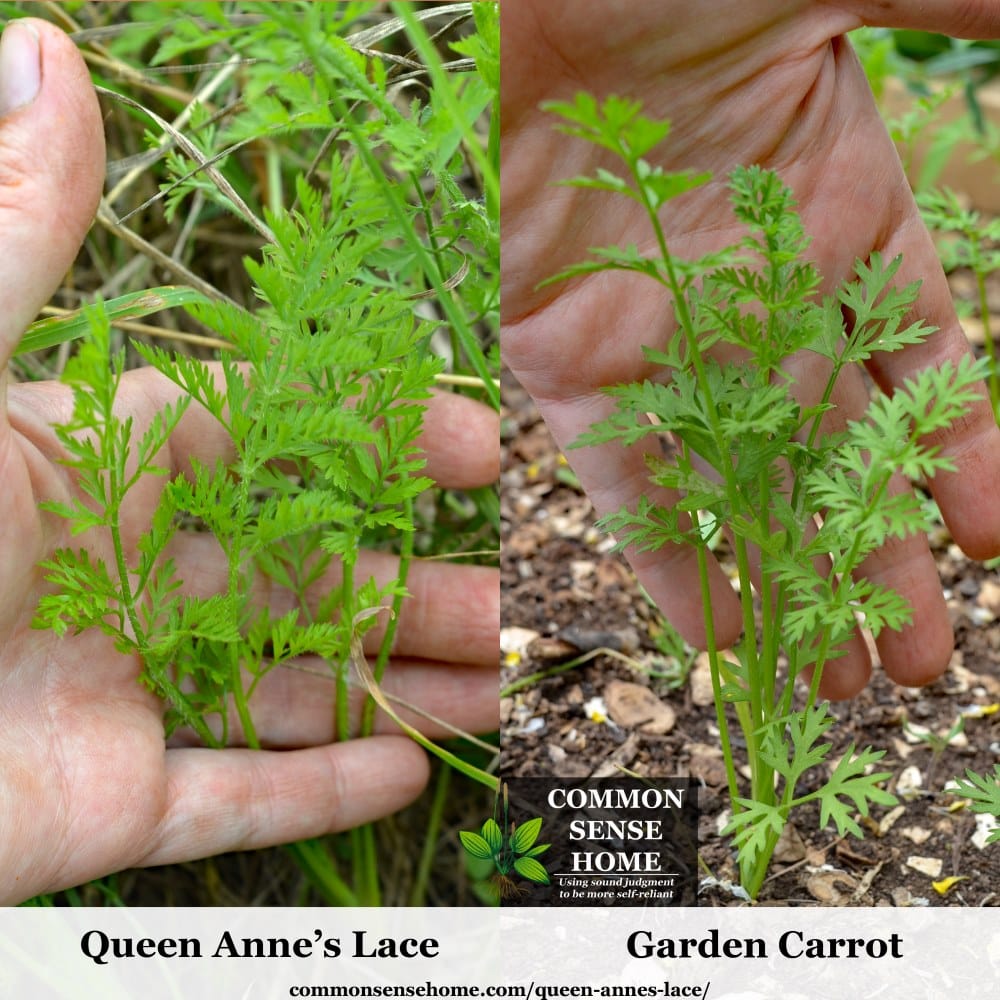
[[750, 456]]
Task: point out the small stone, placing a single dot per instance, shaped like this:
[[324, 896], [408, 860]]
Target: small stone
[[633, 706], [707, 765], [931, 867], [985, 825], [889, 819], [916, 734], [790, 847], [982, 616], [832, 888], [514, 639], [909, 782], [901, 896], [548, 648], [989, 596], [586, 640], [702, 693]]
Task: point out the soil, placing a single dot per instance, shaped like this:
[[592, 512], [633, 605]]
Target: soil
[[572, 610]]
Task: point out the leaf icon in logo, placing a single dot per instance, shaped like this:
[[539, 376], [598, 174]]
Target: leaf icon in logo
[[493, 835], [532, 870], [525, 835], [474, 844]]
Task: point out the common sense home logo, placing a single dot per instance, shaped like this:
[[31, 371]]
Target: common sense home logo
[[512, 849], [608, 842]]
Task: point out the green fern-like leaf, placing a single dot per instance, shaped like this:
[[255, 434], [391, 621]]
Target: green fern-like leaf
[[850, 785], [984, 792]]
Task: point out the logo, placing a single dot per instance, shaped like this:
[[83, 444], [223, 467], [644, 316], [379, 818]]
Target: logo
[[626, 841]]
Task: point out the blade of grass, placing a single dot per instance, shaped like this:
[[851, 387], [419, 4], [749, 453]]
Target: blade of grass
[[190, 149], [46, 333], [418, 892], [314, 860], [364, 672]]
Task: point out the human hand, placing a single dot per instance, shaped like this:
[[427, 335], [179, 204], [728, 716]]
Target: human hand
[[87, 784], [772, 82]]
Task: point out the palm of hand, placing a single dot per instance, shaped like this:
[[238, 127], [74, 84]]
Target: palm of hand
[[780, 88], [83, 740]]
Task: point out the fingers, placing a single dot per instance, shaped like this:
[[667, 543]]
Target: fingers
[[452, 615], [975, 19], [51, 168], [234, 800], [921, 651], [967, 495], [461, 441], [444, 659], [854, 212], [295, 706]]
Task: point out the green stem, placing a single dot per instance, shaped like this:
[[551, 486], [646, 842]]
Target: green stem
[[385, 649], [713, 664], [442, 87], [365, 854], [686, 324], [342, 707], [770, 622], [390, 192], [236, 586], [139, 638], [531, 680], [314, 859], [760, 791], [991, 350], [425, 211], [428, 854]]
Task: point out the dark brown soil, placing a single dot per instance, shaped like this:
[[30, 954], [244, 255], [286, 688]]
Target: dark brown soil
[[560, 581]]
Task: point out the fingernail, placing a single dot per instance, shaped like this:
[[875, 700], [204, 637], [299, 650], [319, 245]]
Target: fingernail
[[20, 66]]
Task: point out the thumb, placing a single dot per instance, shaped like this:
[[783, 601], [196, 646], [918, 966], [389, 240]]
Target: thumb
[[51, 168]]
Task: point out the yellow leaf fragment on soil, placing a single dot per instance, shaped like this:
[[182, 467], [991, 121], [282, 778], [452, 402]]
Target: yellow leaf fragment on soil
[[943, 886], [980, 711]]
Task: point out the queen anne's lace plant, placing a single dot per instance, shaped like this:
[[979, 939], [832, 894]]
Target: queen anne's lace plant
[[322, 410]]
